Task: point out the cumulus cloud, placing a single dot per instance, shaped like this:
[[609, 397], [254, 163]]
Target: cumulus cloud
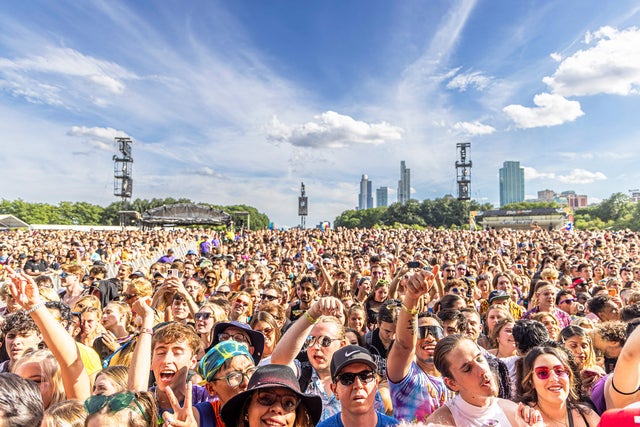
[[581, 176], [474, 128], [98, 137], [462, 82], [333, 130], [611, 65], [550, 110], [556, 56], [576, 176]]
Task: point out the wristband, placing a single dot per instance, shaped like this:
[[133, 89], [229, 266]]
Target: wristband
[[146, 331], [412, 311], [310, 318], [35, 307]]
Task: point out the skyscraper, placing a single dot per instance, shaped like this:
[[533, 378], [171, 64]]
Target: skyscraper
[[365, 199], [404, 185], [511, 183], [382, 197]]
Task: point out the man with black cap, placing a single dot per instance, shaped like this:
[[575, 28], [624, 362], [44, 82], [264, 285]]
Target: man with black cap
[[353, 372]]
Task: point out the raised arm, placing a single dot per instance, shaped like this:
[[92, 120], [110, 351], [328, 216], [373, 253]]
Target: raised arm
[[141, 358], [403, 350], [623, 386], [292, 341], [61, 344]]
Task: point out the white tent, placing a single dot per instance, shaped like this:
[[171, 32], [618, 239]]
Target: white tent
[[10, 221]]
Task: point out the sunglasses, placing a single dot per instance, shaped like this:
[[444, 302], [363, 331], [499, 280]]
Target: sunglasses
[[433, 330], [234, 379], [223, 293], [544, 372], [210, 278], [288, 402], [268, 297], [322, 340], [377, 273], [570, 301], [266, 331], [458, 290], [116, 403], [129, 296], [236, 337], [203, 316], [449, 270], [349, 378], [242, 303]]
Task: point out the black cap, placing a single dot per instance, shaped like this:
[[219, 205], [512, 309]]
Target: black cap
[[349, 354]]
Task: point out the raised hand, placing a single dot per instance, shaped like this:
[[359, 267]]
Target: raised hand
[[182, 415]]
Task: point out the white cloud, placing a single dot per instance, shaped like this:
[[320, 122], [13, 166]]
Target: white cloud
[[556, 56], [65, 70], [576, 176], [611, 66], [531, 173], [551, 110], [98, 137], [464, 81], [581, 176], [474, 128], [334, 130]]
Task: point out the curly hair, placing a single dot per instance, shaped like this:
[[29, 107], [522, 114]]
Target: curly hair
[[614, 331], [19, 322]]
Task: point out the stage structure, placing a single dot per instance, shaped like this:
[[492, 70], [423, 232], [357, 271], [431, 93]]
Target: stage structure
[[303, 207], [123, 176], [463, 169]]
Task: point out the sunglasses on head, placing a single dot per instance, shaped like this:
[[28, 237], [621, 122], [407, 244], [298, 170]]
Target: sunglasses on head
[[204, 316], [288, 402], [433, 330], [349, 378], [116, 402], [544, 372]]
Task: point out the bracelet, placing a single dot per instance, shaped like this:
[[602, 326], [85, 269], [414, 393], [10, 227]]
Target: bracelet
[[146, 331], [310, 318], [411, 311], [622, 392], [35, 307]]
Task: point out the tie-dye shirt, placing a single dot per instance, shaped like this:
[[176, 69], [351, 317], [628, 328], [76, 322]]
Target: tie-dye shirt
[[418, 395]]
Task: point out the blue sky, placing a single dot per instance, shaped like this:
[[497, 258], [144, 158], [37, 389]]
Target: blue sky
[[240, 101]]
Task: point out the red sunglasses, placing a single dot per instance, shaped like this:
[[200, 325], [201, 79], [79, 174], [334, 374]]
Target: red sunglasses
[[544, 372]]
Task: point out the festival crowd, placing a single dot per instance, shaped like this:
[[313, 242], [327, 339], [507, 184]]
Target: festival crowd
[[346, 327]]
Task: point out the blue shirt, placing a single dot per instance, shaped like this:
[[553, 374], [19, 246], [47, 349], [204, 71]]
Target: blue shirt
[[336, 421]]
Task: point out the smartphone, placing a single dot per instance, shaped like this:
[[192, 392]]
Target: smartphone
[[172, 272], [414, 264]]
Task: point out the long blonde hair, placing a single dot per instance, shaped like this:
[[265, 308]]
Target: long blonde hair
[[50, 370]]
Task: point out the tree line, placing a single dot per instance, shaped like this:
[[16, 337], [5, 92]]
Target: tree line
[[617, 212], [83, 213]]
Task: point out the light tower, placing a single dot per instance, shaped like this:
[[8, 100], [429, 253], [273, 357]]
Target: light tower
[[122, 175], [302, 207], [463, 169]]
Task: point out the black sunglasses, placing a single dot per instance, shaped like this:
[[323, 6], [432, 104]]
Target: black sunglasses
[[116, 402], [268, 297], [349, 378], [203, 316], [433, 330], [324, 341]]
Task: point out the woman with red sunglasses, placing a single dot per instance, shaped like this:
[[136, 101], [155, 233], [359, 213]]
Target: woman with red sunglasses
[[546, 383]]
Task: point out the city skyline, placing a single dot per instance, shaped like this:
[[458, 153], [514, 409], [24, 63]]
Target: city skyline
[[238, 102]]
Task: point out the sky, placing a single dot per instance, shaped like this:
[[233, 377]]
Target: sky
[[241, 101]]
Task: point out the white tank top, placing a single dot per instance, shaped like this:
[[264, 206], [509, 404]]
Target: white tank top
[[468, 415]]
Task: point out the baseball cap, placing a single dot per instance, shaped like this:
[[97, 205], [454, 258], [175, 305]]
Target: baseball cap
[[191, 252], [497, 294], [348, 355]]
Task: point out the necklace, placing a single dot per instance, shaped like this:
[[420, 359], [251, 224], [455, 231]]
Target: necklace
[[562, 421]]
